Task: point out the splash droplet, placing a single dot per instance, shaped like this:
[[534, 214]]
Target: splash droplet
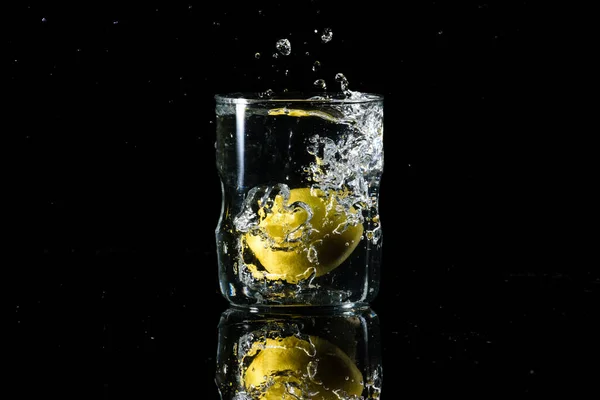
[[326, 35], [284, 47], [267, 93], [316, 66], [343, 81], [257, 55], [339, 77], [320, 83]]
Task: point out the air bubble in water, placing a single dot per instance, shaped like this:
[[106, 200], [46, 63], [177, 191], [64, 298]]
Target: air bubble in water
[[326, 35], [284, 47], [320, 83], [316, 66]]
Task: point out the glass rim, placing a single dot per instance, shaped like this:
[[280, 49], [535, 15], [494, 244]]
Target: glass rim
[[297, 97]]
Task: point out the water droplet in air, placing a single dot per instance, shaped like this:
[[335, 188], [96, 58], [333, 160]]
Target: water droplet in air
[[341, 79], [44, 19], [284, 47], [316, 66], [257, 55], [267, 93], [320, 83], [326, 35]]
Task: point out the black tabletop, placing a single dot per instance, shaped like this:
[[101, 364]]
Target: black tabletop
[[114, 197]]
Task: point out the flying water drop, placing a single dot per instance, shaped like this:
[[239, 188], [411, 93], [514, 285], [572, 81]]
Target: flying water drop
[[267, 93], [326, 35], [320, 83], [343, 81], [284, 47]]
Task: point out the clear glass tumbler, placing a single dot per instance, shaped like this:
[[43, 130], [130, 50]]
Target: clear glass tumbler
[[300, 176], [315, 354]]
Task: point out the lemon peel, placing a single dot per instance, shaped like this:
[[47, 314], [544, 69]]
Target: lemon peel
[[307, 235], [292, 112]]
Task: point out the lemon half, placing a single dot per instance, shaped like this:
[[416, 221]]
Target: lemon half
[[291, 368], [295, 244]]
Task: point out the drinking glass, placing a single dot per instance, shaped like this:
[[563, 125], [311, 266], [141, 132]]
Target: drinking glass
[[300, 176]]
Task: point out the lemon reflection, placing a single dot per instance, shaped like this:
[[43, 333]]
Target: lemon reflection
[[291, 368], [317, 355]]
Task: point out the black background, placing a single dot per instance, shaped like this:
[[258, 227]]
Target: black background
[[113, 194]]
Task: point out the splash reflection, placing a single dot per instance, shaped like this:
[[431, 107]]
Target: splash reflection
[[299, 353]]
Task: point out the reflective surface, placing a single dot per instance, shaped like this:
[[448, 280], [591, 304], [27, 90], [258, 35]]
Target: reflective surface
[[300, 353], [446, 329], [490, 286]]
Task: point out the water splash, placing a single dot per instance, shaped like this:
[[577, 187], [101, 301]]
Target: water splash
[[326, 35], [320, 84], [284, 47], [344, 84], [267, 93]]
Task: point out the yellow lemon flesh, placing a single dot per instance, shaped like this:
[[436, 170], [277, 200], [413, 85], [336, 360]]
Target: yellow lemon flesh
[[292, 368], [295, 244]]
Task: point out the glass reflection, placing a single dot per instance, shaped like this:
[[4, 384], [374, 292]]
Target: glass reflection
[[299, 353]]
